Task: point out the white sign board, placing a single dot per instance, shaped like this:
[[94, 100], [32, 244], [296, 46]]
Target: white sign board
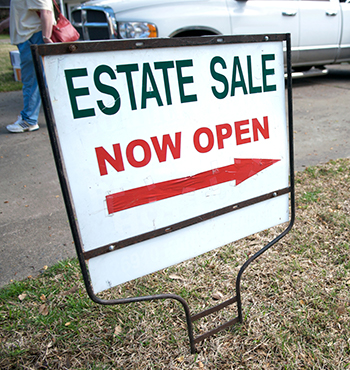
[[153, 137]]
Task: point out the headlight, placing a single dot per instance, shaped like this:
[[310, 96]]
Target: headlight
[[135, 30]]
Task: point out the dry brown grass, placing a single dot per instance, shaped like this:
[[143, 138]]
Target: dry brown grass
[[296, 302]]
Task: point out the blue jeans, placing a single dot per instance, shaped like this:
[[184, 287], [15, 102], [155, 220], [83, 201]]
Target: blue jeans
[[31, 94]]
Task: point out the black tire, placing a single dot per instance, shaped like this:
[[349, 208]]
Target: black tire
[[301, 69]]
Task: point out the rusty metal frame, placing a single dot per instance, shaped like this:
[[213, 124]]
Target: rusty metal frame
[[87, 47]]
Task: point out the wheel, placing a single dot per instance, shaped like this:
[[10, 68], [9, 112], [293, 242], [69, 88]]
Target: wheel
[[301, 69]]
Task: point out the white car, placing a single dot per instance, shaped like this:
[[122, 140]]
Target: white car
[[320, 30]]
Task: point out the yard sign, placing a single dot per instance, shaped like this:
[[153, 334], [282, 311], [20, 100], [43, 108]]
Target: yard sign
[[169, 148]]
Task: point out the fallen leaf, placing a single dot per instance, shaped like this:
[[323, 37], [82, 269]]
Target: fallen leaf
[[71, 291], [217, 295], [43, 298], [175, 277], [117, 330], [43, 310], [22, 296], [180, 359], [341, 310], [200, 364]]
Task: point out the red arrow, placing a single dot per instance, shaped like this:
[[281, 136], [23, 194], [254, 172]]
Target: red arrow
[[240, 171]]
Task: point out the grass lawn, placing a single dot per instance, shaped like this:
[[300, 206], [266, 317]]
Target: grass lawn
[[7, 82], [296, 302]]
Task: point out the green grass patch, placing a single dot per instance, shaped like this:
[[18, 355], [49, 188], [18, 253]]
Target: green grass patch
[[5, 37], [7, 81]]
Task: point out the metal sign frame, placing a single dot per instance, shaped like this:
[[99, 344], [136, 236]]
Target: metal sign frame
[[88, 47]]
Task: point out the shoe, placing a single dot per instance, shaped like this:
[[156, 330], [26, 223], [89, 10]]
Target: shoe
[[22, 126]]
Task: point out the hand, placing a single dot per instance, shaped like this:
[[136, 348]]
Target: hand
[[47, 40]]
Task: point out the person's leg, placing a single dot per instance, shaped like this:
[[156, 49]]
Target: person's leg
[[31, 95], [28, 120]]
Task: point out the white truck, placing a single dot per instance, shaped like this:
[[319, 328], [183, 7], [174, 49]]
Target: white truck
[[320, 29]]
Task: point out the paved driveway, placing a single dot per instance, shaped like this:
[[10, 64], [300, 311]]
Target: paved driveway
[[321, 109], [33, 223]]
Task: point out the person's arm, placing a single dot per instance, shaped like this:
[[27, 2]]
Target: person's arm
[[4, 24], [46, 25]]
